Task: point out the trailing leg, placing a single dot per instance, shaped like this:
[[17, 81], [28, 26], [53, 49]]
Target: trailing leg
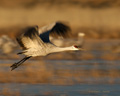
[[15, 65]]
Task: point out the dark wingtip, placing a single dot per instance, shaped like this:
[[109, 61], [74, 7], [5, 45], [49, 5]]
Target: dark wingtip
[[61, 29], [31, 31]]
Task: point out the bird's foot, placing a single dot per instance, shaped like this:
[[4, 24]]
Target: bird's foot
[[15, 65]]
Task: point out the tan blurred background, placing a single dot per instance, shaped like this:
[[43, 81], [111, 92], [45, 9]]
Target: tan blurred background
[[99, 64], [98, 18]]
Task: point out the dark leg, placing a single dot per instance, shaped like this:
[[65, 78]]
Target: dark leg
[[15, 65]]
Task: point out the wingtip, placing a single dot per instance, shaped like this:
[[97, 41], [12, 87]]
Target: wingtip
[[61, 29]]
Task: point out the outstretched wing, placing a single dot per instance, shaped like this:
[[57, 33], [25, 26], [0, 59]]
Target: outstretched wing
[[29, 38], [56, 29]]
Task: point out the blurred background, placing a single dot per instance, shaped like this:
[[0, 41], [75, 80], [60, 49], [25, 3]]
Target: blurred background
[[95, 26], [99, 19]]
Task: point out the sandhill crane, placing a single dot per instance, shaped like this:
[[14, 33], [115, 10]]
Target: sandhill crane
[[66, 42], [57, 41], [35, 41], [7, 44], [81, 40]]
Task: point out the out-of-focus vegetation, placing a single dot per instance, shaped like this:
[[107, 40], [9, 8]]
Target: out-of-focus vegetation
[[97, 18], [80, 3]]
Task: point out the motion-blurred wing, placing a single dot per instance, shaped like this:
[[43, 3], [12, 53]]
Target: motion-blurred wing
[[29, 38], [56, 29]]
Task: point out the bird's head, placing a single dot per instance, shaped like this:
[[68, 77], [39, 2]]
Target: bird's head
[[76, 47]]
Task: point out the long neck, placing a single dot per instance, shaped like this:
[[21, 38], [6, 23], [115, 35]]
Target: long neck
[[60, 49]]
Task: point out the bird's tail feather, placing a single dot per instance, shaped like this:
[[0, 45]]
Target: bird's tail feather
[[15, 65], [21, 52]]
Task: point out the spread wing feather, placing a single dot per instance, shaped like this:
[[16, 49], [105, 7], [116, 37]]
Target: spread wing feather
[[29, 38], [56, 29], [34, 38]]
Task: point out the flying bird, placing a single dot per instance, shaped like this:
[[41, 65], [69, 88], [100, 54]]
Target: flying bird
[[35, 41], [7, 45]]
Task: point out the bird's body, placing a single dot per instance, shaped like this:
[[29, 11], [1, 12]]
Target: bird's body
[[35, 42]]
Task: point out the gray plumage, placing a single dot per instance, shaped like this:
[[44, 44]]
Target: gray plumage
[[35, 41]]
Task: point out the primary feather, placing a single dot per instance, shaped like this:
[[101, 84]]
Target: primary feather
[[35, 41], [57, 28]]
